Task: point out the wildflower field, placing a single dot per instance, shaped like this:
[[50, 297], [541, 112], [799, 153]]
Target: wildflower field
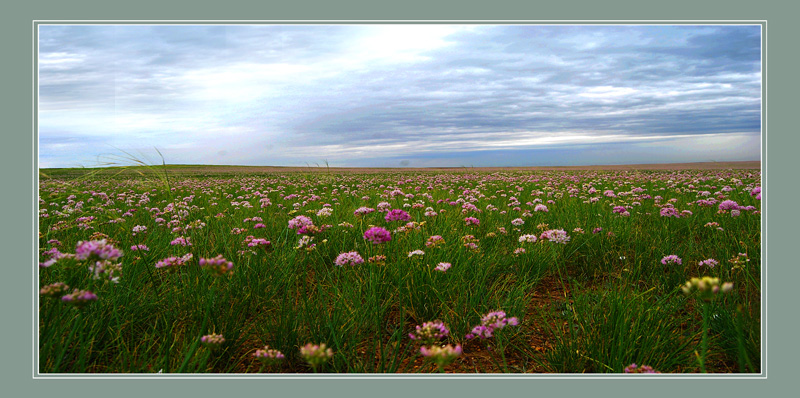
[[458, 271]]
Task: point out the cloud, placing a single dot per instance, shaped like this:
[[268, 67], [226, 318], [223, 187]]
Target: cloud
[[261, 94]]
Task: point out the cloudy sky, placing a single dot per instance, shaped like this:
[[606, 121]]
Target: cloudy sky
[[399, 95]]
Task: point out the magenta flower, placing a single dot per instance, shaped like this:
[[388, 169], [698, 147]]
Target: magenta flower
[[541, 207], [671, 259], [491, 322], [377, 235], [472, 221], [728, 205], [397, 215]]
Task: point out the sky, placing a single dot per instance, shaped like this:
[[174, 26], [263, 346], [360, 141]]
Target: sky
[[419, 95]]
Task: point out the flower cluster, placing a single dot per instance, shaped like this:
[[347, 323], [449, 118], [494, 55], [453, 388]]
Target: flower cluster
[[670, 212], [555, 236], [300, 223], [79, 298], [435, 241], [212, 341], [633, 368], [139, 229], [182, 241], [728, 205], [349, 258], [252, 241], [54, 255], [174, 262], [377, 235], [707, 287], [377, 260], [140, 248], [218, 265], [57, 289], [397, 215], [429, 332], [471, 221], [196, 224], [527, 238], [443, 267], [491, 322], [268, 355], [316, 354], [95, 250], [106, 270], [739, 261], [671, 260], [710, 263], [416, 253], [305, 242], [441, 355], [361, 211], [411, 226]]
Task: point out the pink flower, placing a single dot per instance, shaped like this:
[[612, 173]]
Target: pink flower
[[218, 265], [299, 222], [349, 258], [555, 236], [670, 212], [377, 235], [397, 215], [710, 263], [443, 267]]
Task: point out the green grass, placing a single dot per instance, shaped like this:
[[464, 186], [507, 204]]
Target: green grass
[[615, 303]]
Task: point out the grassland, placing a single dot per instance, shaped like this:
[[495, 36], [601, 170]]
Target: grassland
[[578, 260]]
